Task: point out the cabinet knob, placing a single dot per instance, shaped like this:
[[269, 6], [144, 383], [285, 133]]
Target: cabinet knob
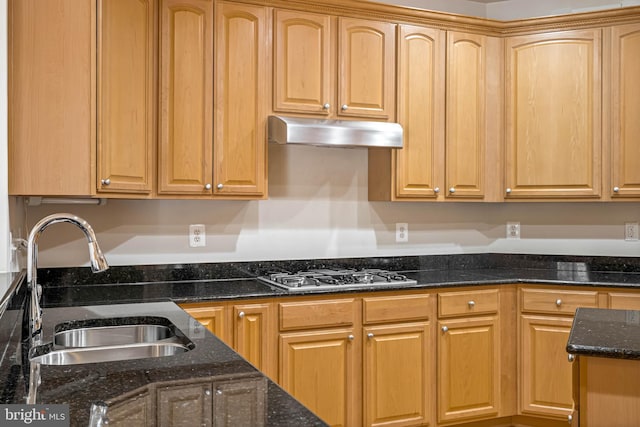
[[220, 186], [445, 329], [207, 392], [508, 191], [351, 337], [571, 357], [106, 181], [569, 418], [616, 189], [241, 315], [471, 303], [344, 107], [218, 392], [436, 190], [558, 302], [370, 335], [452, 190], [326, 106], [207, 186]]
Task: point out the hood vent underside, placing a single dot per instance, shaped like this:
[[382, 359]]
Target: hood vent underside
[[334, 133]]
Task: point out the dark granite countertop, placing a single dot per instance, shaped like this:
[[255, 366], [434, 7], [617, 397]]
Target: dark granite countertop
[[136, 288], [600, 332]]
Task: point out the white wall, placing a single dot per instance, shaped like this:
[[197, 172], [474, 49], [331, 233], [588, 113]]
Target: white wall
[[4, 208], [519, 9], [318, 208]]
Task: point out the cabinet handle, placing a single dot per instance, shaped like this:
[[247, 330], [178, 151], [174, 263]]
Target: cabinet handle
[[370, 335], [445, 329], [351, 337], [616, 189], [471, 303], [207, 186], [220, 186], [106, 181], [571, 357], [508, 190], [558, 302], [436, 190], [326, 106], [241, 315], [452, 190], [344, 107]]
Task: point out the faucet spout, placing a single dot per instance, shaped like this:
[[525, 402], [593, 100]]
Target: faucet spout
[[97, 260]]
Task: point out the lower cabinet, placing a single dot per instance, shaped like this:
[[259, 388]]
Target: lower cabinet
[[545, 377], [469, 356], [249, 328]]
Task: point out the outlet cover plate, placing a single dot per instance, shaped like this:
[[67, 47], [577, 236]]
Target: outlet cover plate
[[197, 236], [513, 230]]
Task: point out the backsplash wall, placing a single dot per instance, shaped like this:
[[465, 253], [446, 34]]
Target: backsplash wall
[[318, 208]]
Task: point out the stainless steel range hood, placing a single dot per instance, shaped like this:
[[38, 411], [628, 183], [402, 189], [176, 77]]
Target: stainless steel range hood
[[334, 133]]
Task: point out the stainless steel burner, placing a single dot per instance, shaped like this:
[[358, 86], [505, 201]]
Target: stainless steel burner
[[335, 279]]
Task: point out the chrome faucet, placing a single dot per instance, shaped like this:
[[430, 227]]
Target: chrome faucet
[[97, 259]]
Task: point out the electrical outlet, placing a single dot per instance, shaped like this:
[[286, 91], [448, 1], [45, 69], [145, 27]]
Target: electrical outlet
[[631, 231], [197, 237], [513, 230], [402, 232]]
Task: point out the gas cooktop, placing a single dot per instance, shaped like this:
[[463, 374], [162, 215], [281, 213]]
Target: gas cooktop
[[335, 279]]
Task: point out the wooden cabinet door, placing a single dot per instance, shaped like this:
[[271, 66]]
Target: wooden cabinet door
[[186, 97], [126, 95], [397, 375], [465, 145], [545, 372], [242, 41], [187, 405], [625, 111], [213, 318], [418, 168], [366, 68], [51, 105], [320, 369], [254, 327], [553, 141], [468, 369], [303, 63]]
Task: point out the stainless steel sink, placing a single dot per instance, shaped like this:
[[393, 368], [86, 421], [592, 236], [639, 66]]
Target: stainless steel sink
[[112, 335], [111, 353]]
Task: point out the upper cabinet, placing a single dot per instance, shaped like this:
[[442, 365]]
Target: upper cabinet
[[553, 102], [126, 96], [51, 98], [333, 67], [449, 86], [625, 111], [186, 97], [241, 97]]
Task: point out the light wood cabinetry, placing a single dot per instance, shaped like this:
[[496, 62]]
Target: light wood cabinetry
[[320, 358], [625, 110], [249, 328], [451, 143], [623, 300], [51, 88], [314, 75], [126, 95], [545, 377], [469, 356], [186, 97], [189, 404], [553, 105], [241, 70]]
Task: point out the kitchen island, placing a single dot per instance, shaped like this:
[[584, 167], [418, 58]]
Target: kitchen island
[[606, 344]]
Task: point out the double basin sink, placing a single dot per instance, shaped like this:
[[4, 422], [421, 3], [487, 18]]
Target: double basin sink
[[109, 340]]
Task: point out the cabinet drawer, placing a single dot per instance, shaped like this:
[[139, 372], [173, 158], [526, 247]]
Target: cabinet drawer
[[391, 309], [624, 300], [467, 302], [555, 301], [317, 314]]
